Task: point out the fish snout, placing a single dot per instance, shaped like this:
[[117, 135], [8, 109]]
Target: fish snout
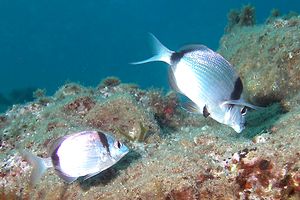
[[238, 127]]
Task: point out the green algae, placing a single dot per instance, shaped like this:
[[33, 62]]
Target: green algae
[[111, 81], [274, 73], [238, 18], [122, 114], [143, 133], [261, 121], [139, 136]]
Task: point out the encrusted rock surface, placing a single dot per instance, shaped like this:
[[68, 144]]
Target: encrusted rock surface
[[267, 57]]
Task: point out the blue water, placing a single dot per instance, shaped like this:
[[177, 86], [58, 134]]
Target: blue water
[[45, 43]]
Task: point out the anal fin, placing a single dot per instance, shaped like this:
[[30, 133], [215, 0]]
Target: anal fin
[[187, 104], [172, 80], [190, 107], [66, 178], [90, 175]]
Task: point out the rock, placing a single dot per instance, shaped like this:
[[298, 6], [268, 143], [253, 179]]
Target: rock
[[267, 58]]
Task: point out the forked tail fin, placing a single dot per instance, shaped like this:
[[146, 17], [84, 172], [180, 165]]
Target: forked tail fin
[[39, 166], [161, 53]]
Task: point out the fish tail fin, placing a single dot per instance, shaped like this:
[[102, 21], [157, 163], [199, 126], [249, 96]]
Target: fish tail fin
[[40, 165], [162, 53]]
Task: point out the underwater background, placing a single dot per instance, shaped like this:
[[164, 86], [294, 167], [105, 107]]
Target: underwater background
[[45, 44], [64, 70]]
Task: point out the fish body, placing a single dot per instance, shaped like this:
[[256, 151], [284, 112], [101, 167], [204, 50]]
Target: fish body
[[208, 80], [85, 154]]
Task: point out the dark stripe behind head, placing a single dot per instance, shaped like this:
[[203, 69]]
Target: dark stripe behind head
[[103, 140], [237, 90]]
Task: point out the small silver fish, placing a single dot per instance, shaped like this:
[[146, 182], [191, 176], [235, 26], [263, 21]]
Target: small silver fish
[[84, 153], [208, 80]]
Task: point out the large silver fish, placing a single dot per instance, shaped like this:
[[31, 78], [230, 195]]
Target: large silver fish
[[207, 80], [85, 154]]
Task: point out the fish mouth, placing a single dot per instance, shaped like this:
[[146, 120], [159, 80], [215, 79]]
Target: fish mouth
[[124, 153], [238, 127]]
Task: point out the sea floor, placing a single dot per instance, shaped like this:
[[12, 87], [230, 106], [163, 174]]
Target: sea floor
[[173, 154]]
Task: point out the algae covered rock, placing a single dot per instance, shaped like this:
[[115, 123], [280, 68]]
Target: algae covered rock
[[122, 115], [267, 57], [239, 18]]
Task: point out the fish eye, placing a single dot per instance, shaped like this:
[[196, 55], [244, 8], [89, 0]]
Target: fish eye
[[118, 144], [244, 110]]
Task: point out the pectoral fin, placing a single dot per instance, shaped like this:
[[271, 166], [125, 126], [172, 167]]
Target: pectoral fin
[[205, 111], [241, 103]]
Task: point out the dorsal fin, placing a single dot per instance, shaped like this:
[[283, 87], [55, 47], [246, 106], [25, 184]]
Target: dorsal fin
[[194, 47], [176, 56]]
